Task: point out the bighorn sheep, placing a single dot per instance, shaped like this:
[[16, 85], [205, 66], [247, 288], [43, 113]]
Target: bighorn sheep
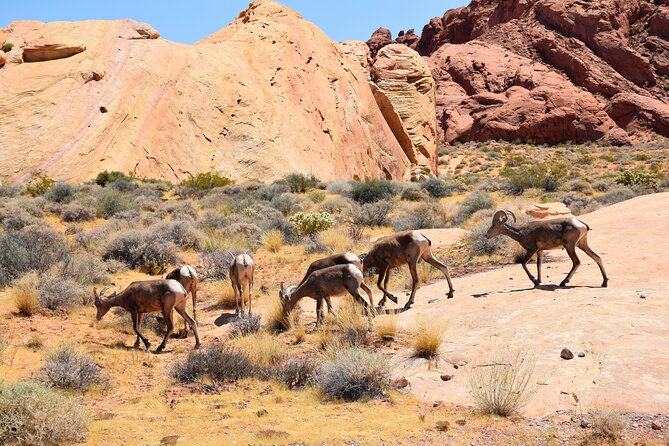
[[337, 259], [241, 276], [538, 236], [148, 297], [331, 281], [186, 276], [398, 249]]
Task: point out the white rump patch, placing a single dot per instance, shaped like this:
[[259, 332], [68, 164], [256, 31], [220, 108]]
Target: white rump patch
[[188, 271], [578, 224], [176, 287], [350, 257]]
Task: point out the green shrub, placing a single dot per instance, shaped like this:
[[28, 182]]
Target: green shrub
[[31, 414], [474, 202], [105, 177], [353, 374], [143, 250], [546, 176], [206, 181], [110, 202], [300, 183], [60, 193], [373, 190], [638, 177], [436, 187], [372, 214], [67, 369], [39, 183], [7, 47], [309, 223]]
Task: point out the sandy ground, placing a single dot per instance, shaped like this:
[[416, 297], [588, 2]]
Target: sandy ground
[[623, 329]]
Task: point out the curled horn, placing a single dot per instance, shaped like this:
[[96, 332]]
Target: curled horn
[[512, 214], [499, 218], [102, 292]]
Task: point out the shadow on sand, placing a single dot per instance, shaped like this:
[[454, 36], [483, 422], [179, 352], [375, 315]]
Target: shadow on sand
[[225, 318]]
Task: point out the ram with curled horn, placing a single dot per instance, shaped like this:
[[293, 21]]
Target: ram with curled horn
[[538, 236]]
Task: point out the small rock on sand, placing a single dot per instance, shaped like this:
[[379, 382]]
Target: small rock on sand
[[566, 354]]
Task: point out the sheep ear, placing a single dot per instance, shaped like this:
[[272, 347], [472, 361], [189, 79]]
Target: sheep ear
[[96, 295]]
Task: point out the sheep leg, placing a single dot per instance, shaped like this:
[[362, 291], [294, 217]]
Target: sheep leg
[[191, 323], [167, 314], [240, 293], [234, 290], [539, 257], [368, 291], [330, 309], [527, 258], [415, 281], [319, 311], [139, 322], [575, 264], [585, 248], [385, 277], [250, 286], [136, 318], [432, 260]]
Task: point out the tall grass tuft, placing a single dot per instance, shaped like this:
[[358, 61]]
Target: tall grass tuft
[[273, 240], [262, 349], [504, 385], [429, 333], [386, 327], [26, 296]]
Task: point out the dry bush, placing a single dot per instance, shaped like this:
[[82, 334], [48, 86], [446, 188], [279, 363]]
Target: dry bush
[[262, 349], [181, 233], [504, 385], [386, 327], [145, 250], [244, 326], [429, 333], [607, 428], [300, 334], [67, 369], [58, 293], [479, 245], [295, 373], [353, 374], [35, 342], [83, 268], [26, 297], [273, 240], [335, 240], [31, 414], [217, 362]]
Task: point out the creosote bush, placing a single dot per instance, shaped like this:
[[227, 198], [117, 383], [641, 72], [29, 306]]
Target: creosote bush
[[110, 202], [68, 369], [300, 183], [39, 183], [105, 177], [503, 385], [206, 181], [60, 193], [31, 414], [353, 374], [373, 190]]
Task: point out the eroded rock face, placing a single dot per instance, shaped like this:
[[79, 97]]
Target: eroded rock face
[[405, 78], [486, 92], [606, 47], [268, 95], [359, 52]]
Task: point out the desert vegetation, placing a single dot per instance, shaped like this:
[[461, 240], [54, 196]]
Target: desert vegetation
[[59, 240]]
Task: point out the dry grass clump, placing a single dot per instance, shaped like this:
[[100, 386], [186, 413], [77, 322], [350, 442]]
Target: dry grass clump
[[273, 240], [353, 374], [277, 321], [3, 347], [607, 428], [35, 342], [31, 414], [504, 385], [351, 325], [262, 349], [226, 296], [26, 297], [335, 240], [386, 327], [429, 333], [68, 369]]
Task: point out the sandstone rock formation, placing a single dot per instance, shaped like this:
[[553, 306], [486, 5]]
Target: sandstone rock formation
[[41, 51], [405, 78], [267, 95], [594, 51]]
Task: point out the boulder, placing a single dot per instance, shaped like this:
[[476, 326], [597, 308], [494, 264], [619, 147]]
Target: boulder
[[3, 58], [636, 112], [380, 38], [43, 50], [405, 78], [548, 210]]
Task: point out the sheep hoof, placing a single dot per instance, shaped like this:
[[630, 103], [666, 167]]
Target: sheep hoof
[[393, 298]]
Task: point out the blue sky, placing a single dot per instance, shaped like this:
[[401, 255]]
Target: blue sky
[[189, 21]]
